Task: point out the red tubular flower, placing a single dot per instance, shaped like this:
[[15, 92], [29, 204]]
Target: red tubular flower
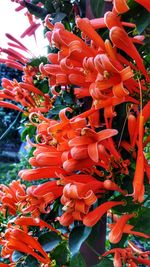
[[115, 234], [117, 259], [131, 126], [38, 198], [122, 41], [120, 6], [77, 199], [39, 173], [17, 239], [109, 185], [11, 195], [30, 221], [94, 216], [138, 186]]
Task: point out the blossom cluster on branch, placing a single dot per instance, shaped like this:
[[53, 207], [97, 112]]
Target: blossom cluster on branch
[[93, 160]]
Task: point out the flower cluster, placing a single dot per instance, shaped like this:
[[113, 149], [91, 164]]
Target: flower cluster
[[86, 158]]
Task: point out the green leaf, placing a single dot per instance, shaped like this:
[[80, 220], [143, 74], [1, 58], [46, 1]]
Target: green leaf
[[77, 236], [59, 16], [30, 261], [77, 261], [49, 240], [56, 109], [97, 7], [61, 254], [142, 221], [17, 255], [35, 62], [49, 6], [35, 1], [143, 21], [68, 97], [97, 235], [30, 130], [36, 10], [104, 263], [42, 85]]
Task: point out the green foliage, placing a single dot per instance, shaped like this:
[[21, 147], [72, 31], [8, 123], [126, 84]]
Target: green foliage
[[77, 261], [29, 261], [97, 8], [61, 254], [76, 238], [36, 10], [142, 221], [49, 240], [104, 262]]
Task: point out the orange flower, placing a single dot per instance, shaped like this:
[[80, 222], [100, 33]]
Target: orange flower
[[115, 234], [94, 216], [38, 198], [121, 6], [11, 195], [17, 239], [77, 199], [138, 186]]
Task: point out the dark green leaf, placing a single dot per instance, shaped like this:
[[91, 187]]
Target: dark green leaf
[[49, 6], [77, 261], [59, 16], [104, 263], [142, 221], [42, 85], [130, 206], [68, 97], [49, 241], [61, 254], [35, 62], [36, 10], [20, 264], [17, 255], [35, 1], [77, 236], [97, 7], [56, 109], [30, 261], [30, 130], [98, 234], [143, 21]]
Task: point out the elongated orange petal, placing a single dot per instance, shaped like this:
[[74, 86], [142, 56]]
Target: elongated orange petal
[[121, 40], [85, 26], [79, 152], [138, 186], [47, 159], [39, 173], [109, 185], [94, 216], [120, 6], [22, 247], [30, 221], [80, 141], [117, 259], [107, 133], [115, 234], [72, 165], [93, 151]]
